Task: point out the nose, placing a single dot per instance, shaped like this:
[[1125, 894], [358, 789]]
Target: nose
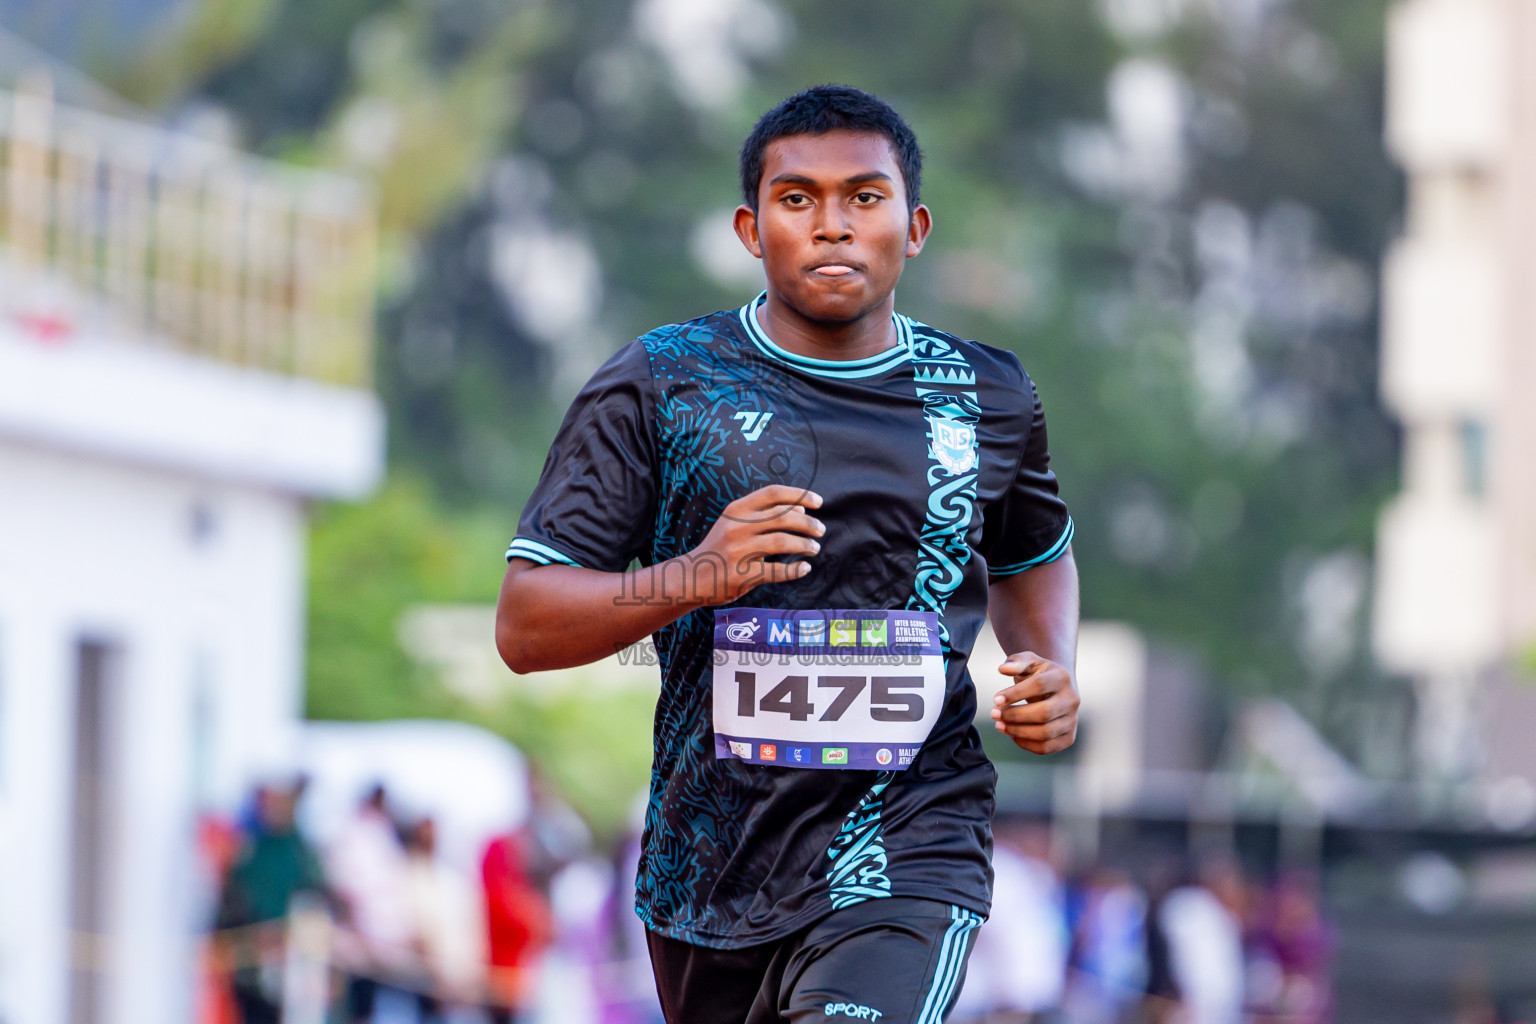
[[832, 224]]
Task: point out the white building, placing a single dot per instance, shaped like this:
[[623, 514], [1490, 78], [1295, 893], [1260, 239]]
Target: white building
[[1456, 559], [184, 355]]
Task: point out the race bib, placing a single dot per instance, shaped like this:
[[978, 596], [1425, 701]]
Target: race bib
[[839, 688]]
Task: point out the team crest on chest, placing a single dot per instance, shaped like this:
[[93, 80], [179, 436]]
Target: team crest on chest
[[954, 444]]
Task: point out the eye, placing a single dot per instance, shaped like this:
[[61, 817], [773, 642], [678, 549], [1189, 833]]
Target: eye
[[867, 198], [796, 199]]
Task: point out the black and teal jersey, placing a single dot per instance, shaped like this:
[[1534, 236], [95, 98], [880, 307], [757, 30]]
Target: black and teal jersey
[[932, 461]]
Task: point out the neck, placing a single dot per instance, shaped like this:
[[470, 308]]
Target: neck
[[869, 334]]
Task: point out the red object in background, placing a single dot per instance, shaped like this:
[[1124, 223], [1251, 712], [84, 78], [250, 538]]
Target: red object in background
[[218, 841], [518, 924], [48, 328]]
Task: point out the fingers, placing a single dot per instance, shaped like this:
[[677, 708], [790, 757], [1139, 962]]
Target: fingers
[[1042, 733], [1042, 679], [781, 572], [787, 517], [1044, 739], [781, 544], [1021, 664], [1048, 721], [1037, 712]]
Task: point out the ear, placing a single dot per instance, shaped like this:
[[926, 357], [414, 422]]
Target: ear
[[917, 230], [746, 230]]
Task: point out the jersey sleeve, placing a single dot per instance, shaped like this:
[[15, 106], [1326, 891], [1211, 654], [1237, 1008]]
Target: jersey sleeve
[[1029, 525], [594, 505]]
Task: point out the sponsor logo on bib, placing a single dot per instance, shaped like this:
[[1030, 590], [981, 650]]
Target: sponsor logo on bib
[[834, 755], [883, 755], [768, 752], [741, 749], [742, 632]]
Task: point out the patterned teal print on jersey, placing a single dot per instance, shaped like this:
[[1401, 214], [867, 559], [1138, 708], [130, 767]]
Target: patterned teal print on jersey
[[857, 855], [696, 823], [945, 383]]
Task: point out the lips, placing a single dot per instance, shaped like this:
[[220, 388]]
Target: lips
[[833, 269]]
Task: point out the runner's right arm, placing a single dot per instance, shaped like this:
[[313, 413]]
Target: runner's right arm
[[560, 616]]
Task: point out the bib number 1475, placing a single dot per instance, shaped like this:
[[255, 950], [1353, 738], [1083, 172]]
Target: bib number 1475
[[891, 698]]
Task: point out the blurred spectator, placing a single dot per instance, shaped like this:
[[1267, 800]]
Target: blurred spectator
[[1109, 944], [366, 867], [630, 985], [446, 932], [557, 835], [1200, 926], [1019, 966], [274, 865], [518, 925], [571, 981], [1294, 935]]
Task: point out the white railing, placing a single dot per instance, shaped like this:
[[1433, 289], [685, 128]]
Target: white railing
[[189, 243]]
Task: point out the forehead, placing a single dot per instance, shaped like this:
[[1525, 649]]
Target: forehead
[[832, 156]]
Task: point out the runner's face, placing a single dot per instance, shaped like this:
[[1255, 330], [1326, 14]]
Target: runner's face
[[832, 225]]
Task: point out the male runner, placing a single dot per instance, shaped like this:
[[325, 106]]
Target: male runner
[[824, 498]]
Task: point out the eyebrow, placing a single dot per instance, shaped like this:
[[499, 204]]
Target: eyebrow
[[800, 179]]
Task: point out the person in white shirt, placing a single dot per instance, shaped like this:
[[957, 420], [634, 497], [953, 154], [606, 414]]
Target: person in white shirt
[[365, 867], [447, 936], [1205, 945], [1019, 967]]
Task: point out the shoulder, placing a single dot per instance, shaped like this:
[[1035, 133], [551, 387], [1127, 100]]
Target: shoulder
[[667, 345], [997, 367], [691, 337]]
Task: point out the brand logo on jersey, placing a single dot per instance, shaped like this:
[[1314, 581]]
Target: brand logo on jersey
[[813, 632], [742, 632], [954, 444], [753, 424], [834, 755], [768, 752], [741, 749], [781, 632], [883, 755], [854, 1010]]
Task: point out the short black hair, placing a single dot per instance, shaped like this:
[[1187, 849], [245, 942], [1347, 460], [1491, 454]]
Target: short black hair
[[830, 108]]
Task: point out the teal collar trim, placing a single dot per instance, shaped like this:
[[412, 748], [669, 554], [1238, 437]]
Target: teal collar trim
[[869, 366]]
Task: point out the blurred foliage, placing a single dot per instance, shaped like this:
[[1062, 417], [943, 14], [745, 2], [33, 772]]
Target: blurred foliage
[[368, 564], [1201, 319], [594, 746], [371, 562]]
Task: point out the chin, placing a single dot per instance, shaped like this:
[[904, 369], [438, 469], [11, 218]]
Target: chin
[[833, 309]]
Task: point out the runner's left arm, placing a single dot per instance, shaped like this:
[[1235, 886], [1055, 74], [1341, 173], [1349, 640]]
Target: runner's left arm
[[1035, 613], [1033, 600]]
